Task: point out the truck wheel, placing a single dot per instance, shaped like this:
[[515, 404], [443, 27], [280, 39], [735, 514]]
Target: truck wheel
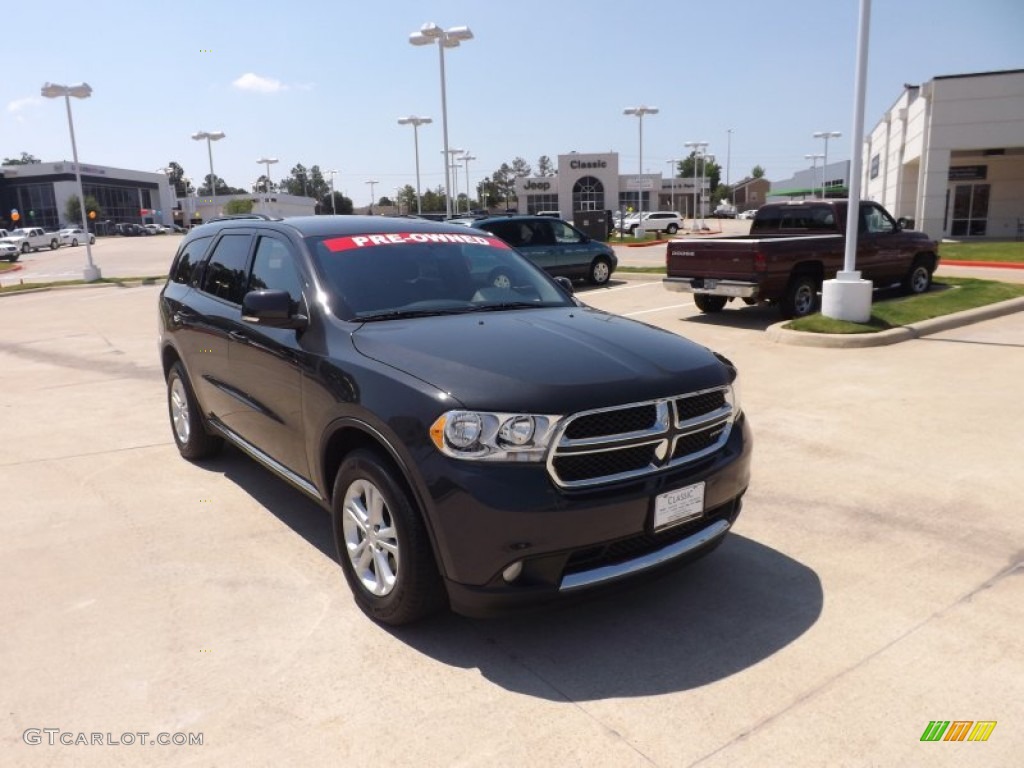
[[382, 543], [24, 247], [54, 244], [707, 303], [672, 229], [919, 278], [13, 257], [600, 271], [801, 297], [190, 434]]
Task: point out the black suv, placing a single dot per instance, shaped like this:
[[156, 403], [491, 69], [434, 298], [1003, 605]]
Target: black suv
[[477, 445]]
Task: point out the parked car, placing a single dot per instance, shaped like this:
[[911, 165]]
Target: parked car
[[554, 245], [748, 214], [725, 211], [156, 229], [28, 239], [477, 446], [9, 251], [669, 222], [72, 236]]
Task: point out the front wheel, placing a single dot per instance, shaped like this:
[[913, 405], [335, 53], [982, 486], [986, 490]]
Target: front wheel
[[74, 243], [919, 278], [54, 245], [600, 271], [672, 229], [801, 297], [190, 435], [382, 543], [24, 247], [709, 304]]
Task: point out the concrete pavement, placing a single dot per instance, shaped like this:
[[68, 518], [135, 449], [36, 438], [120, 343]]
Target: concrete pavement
[[872, 584]]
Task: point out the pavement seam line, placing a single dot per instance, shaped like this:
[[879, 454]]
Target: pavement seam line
[[1017, 565], [84, 455]]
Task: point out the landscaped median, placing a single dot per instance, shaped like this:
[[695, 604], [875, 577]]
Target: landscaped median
[[120, 282], [950, 303]]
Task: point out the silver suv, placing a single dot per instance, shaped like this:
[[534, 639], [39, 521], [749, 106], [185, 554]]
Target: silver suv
[[655, 221]]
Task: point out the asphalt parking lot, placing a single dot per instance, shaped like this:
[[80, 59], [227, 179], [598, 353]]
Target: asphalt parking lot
[[872, 584]]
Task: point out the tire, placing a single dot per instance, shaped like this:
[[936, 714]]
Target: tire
[[709, 304], [801, 297], [671, 229], [382, 543], [54, 245], [24, 247], [74, 243], [600, 271], [13, 257], [749, 301], [632, 229], [187, 426], [919, 278]]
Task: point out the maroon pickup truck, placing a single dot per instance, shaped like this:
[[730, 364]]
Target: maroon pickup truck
[[792, 247]]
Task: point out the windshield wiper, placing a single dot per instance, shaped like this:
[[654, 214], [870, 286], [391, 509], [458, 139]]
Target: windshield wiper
[[400, 314], [506, 305]]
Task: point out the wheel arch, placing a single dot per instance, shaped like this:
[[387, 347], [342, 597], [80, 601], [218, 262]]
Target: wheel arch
[[814, 268], [930, 258]]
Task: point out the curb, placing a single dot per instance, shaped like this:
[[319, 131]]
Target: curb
[[991, 264], [781, 335], [127, 283]]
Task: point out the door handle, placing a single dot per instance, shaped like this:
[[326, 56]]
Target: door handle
[[241, 338]]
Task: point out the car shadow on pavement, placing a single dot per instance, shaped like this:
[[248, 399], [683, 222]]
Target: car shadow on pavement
[[738, 315], [707, 621]]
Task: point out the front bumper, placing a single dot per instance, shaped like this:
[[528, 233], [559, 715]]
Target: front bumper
[[487, 518], [712, 287]]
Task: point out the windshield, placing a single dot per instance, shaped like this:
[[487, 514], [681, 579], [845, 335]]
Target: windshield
[[388, 276]]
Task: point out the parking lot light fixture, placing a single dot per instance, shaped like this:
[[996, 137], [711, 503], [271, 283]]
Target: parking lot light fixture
[[429, 34], [267, 162], [814, 173], [416, 122], [826, 135], [466, 157], [91, 273], [640, 112], [210, 136], [334, 207], [698, 147], [372, 183], [452, 167]]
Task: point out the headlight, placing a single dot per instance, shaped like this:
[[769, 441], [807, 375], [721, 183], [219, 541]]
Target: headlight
[[732, 395], [487, 436]]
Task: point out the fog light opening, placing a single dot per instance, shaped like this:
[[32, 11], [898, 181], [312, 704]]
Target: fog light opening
[[513, 572]]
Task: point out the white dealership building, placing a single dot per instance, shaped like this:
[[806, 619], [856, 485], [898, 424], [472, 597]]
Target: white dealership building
[[949, 154]]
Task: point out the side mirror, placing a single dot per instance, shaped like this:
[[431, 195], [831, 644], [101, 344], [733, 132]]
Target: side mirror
[[566, 285], [904, 223], [271, 308]]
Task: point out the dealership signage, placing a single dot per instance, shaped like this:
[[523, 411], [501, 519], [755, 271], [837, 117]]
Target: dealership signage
[[578, 164], [540, 186], [968, 173]]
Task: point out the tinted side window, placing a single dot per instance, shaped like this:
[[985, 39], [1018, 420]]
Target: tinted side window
[[273, 267], [226, 272], [564, 233], [188, 260], [874, 219], [540, 232], [506, 230]]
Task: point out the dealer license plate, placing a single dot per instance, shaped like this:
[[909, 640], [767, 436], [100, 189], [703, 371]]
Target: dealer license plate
[[710, 285], [678, 506]]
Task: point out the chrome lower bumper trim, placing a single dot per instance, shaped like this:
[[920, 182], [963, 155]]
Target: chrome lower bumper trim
[[734, 288], [608, 573]]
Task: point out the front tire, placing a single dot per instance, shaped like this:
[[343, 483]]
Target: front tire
[[382, 543], [919, 278], [24, 247], [801, 298], [709, 304], [600, 271], [190, 435], [54, 245], [672, 229], [74, 243]]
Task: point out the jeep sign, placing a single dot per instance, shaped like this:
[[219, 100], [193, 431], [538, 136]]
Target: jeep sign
[[541, 185]]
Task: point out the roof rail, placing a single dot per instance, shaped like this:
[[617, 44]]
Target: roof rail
[[232, 216]]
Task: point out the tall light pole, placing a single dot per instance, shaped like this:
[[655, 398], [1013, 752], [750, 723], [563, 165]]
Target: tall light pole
[[429, 34], [698, 147], [826, 135], [452, 167], [79, 91], [210, 136], [189, 207], [673, 164], [466, 157], [372, 183], [416, 122], [266, 161], [640, 112], [334, 208], [728, 162], [703, 185], [814, 173]]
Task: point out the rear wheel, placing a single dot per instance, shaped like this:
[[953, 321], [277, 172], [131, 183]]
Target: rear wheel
[[24, 247], [190, 434], [708, 304], [919, 278], [801, 297], [382, 543], [54, 244], [672, 229], [74, 243], [600, 271]]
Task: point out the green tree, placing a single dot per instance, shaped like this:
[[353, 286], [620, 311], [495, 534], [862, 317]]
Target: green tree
[[265, 185], [319, 187], [712, 170], [238, 205], [407, 198], [297, 182], [757, 172], [73, 209], [544, 166], [222, 187], [342, 205], [25, 159], [177, 179]]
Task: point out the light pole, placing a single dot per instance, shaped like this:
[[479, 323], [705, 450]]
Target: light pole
[[814, 174], [703, 185], [640, 112], [266, 161], [79, 91], [697, 147], [416, 122], [728, 162], [445, 38], [334, 208], [466, 157], [210, 136], [451, 167], [673, 164], [189, 208], [372, 183], [826, 135]]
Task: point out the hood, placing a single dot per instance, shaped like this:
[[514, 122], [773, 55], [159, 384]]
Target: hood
[[553, 361]]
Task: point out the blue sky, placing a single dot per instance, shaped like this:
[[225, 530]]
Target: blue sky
[[325, 82]]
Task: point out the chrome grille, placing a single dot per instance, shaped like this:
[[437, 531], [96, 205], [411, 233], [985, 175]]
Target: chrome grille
[[637, 439]]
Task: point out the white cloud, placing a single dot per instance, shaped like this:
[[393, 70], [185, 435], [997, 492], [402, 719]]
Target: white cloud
[[253, 82], [18, 105]]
